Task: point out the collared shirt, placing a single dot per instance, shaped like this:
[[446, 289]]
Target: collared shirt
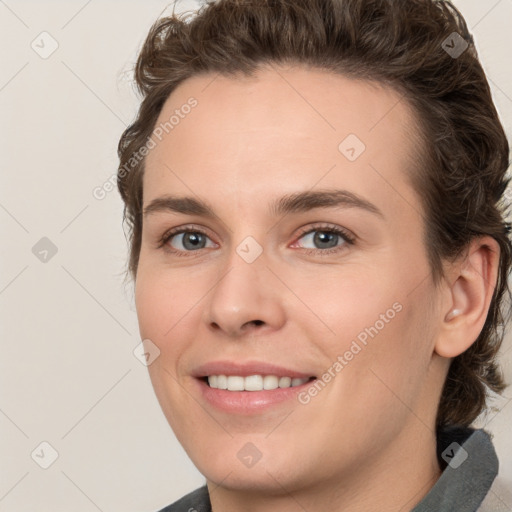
[[469, 463]]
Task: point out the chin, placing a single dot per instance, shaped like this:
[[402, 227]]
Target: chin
[[261, 481], [235, 470]]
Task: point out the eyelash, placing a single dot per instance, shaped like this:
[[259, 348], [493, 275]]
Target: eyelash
[[347, 237]]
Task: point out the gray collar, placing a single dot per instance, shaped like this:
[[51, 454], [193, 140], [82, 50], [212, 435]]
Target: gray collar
[[471, 465]]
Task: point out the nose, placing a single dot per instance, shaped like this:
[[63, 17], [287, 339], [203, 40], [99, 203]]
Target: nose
[[246, 300]]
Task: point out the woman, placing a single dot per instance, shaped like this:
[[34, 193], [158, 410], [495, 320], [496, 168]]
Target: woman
[[317, 235]]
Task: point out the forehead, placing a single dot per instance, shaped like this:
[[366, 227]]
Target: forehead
[[284, 127]]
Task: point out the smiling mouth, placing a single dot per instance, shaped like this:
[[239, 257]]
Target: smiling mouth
[[253, 382]]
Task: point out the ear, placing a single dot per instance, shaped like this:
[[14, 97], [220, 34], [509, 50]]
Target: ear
[[471, 281]]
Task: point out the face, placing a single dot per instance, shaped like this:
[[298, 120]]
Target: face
[[298, 259]]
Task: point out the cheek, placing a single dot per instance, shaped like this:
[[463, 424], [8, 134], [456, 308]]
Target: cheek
[[376, 326], [152, 306], [349, 304], [163, 304], [164, 313], [393, 364]]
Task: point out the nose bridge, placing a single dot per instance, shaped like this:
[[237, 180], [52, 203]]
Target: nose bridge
[[246, 294]]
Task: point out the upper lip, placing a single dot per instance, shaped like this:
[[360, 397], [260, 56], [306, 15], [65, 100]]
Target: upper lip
[[246, 368]]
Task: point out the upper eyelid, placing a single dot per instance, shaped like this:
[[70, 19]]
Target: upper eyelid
[[323, 226], [307, 228]]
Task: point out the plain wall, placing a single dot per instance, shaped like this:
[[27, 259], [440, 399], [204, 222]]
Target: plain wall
[[68, 375]]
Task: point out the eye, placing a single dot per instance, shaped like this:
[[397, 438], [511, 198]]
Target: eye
[[326, 239], [184, 239]]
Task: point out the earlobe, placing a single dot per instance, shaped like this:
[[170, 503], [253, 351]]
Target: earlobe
[[473, 279]]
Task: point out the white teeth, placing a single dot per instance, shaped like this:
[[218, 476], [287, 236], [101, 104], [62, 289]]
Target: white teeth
[[253, 382], [222, 382], [235, 383], [270, 382], [285, 382]]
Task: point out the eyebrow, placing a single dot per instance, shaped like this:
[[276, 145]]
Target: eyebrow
[[298, 202]]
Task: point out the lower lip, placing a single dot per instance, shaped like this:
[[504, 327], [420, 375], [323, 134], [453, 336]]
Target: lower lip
[[249, 402]]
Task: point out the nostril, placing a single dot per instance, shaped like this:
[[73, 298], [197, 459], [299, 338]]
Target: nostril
[[253, 323]]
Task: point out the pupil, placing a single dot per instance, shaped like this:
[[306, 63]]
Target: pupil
[[192, 238], [322, 237]]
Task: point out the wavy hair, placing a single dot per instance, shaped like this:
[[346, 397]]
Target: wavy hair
[[408, 45]]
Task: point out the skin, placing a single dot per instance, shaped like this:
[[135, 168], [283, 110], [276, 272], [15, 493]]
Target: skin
[[366, 441]]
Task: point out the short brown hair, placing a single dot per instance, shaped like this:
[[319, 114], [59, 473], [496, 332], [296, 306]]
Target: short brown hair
[[401, 43]]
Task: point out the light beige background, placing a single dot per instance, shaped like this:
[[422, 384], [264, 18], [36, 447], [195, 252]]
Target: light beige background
[[68, 375]]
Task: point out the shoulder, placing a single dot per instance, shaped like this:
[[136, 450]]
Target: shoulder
[[196, 501]]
